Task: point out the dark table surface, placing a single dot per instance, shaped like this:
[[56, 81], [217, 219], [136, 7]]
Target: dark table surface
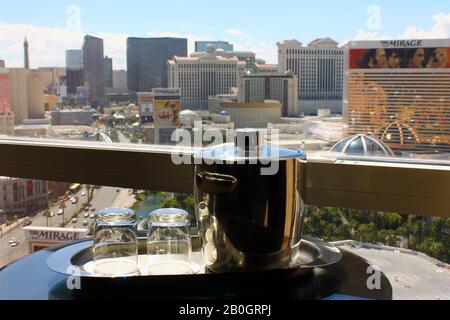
[[31, 279]]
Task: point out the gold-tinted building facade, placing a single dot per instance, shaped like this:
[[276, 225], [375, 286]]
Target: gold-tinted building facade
[[406, 107]]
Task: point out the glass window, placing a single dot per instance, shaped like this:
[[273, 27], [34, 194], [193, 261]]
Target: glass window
[[356, 148]]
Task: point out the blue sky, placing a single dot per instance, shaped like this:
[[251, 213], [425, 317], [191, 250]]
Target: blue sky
[[251, 25]]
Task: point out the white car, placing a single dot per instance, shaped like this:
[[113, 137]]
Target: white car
[[60, 212], [92, 216], [13, 240], [73, 200], [85, 223], [74, 220], [83, 194], [86, 215], [14, 244]]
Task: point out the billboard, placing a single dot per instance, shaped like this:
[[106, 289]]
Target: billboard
[[146, 103], [167, 113], [5, 106], [39, 238], [400, 58]]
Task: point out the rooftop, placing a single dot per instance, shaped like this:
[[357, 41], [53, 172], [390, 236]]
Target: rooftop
[[413, 277]]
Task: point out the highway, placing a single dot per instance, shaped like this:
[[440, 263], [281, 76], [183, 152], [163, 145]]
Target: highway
[[103, 198]]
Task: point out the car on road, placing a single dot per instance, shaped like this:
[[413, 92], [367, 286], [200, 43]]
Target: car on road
[[93, 210], [86, 209], [28, 223], [86, 215], [85, 223], [12, 240], [92, 216], [74, 201], [83, 194], [60, 212], [14, 244], [117, 190], [74, 220]]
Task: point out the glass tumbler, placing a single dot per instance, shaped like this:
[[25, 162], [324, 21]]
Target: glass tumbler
[[115, 242], [169, 242]]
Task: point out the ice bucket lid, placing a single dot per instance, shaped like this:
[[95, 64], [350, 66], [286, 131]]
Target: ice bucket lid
[[247, 147]]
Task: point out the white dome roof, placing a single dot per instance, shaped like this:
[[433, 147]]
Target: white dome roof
[[189, 114], [363, 145]]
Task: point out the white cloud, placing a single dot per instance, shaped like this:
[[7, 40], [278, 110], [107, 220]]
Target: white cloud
[[440, 29], [234, 32], [48, 45]]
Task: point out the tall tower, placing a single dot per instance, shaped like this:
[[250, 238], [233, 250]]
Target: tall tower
[[26, 55]]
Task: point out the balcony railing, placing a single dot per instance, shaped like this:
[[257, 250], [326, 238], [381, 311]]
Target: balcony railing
[[358, 183]]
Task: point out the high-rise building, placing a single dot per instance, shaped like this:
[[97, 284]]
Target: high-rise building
[[26, 55], [22, 197], [93, 69], [108, 67], [120, 79], [204, 76], [7, 123], [267, 69], [5, 98], [399, 92], [74, 70], [278, 87], [320, 70], [26, 94], [36, 107], [245, 56], [202, 46], [147, 61]]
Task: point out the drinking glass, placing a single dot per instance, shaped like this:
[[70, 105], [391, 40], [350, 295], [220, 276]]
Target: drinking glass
[[169, 243], [115, 242]]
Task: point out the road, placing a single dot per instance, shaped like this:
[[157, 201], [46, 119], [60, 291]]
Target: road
[[103, 198]]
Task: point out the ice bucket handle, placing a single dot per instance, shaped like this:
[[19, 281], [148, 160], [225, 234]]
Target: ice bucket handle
[[213, 183]]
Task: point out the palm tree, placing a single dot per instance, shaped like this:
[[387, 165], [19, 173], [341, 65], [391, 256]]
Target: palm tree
[[47, 215], [63, 206]]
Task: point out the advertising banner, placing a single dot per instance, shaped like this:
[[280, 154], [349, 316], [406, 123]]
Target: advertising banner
[[146, 102], [400, 58], [167, 113]]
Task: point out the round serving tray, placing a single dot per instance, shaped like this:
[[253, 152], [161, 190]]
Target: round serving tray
[[76, 259]]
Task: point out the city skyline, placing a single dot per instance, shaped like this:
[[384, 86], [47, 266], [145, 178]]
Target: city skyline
[[50, 33]]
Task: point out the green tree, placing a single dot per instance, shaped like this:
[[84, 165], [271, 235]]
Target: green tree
[[63, 206], [47, 215]]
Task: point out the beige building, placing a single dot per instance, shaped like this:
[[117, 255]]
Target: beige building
[[7, 124], [319, 67], [278, 87], [253, 115], [201, 77], [51, 102], [51, 78], [267, 69], [26, 94]]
